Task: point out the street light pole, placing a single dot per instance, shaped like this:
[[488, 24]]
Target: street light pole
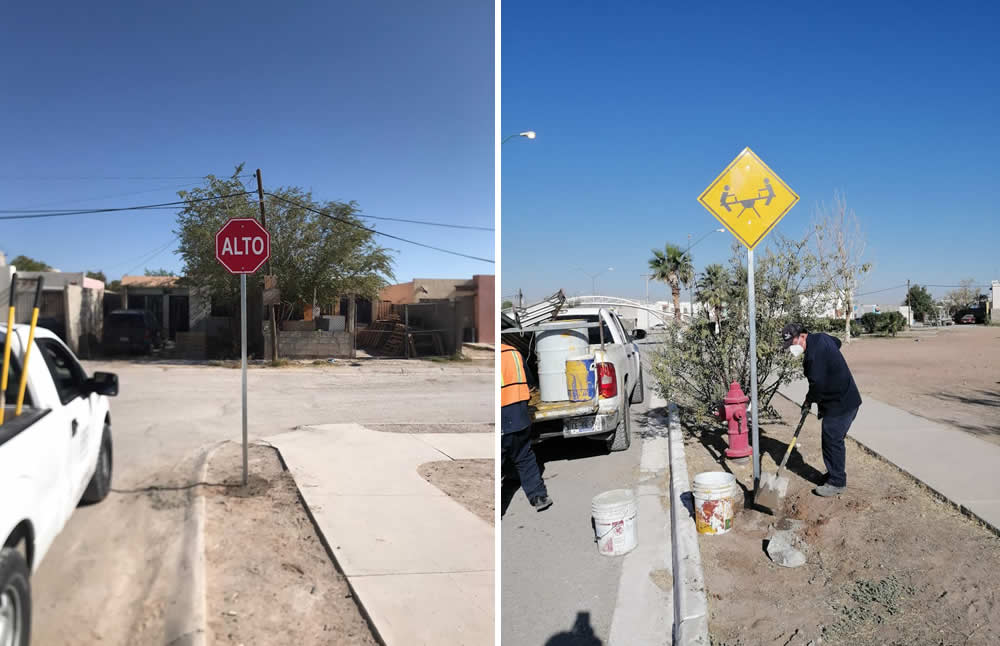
[[528, 134], [691, 246], [593, 278]]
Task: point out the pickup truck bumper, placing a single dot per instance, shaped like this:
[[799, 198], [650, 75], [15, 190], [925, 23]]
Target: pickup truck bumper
[[584, 425]]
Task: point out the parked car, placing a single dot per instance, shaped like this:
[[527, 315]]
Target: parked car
[[968, 318], [618, 379], [132, 331], [54, 455]]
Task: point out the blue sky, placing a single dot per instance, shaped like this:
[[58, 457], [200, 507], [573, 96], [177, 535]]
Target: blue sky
[[639, 106], [388, 103]]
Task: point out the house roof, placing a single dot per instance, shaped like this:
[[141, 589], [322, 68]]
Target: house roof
[[149, 281]]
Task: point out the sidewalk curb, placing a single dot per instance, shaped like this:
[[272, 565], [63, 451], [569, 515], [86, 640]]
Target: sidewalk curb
[[965, 511], [690, 599], [194, 531], [643, 610]]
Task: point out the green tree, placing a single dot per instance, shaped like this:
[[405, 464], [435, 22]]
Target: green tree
[[892, 322], [672, 266], [920, 301], [158, 272], [24, 263], [311, 255], [869, 321], [114, 286], [713, 289], [695, 365], [97, 275], [506, 305]]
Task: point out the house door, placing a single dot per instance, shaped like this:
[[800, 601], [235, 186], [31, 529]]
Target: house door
[[179, 316]]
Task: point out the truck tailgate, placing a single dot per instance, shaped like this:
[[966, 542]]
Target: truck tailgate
[[558, 410]]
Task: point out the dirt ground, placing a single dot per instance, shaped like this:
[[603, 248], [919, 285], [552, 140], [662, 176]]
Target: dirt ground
[[887, 563], [469, 482], [268, 578], [949, 375]]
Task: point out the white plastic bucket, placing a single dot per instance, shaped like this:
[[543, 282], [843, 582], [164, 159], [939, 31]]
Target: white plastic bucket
[[615, 521], [552, 347], [714, 496]]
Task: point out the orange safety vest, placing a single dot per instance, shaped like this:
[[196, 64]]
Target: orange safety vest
[[513, 383]]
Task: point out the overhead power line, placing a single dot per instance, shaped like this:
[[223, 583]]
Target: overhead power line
[[55, 214], [370, 230], [428, 223], [42, 178]]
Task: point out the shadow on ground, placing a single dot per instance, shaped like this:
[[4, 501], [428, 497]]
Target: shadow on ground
[[983, 399], [581, 634]]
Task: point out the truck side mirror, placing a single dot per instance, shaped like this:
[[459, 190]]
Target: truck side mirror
[[103, 383], [638, 335]]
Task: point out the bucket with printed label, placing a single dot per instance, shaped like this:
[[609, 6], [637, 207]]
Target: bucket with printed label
[[614, 514], [714, 501]]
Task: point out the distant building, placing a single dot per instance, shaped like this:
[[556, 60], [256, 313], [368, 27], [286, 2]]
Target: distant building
[[70, 305], [472, 302]]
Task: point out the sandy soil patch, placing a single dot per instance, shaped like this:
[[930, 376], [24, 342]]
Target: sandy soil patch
[[468, 482], [269, 579], [950, 375], [888, 563]]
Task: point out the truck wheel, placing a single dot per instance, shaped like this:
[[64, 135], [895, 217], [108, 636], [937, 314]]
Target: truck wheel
[[100, 484], [15, 599], [621, 439], [639, 394]]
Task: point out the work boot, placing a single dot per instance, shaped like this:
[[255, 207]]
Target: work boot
[[829, 490], [541, 503]]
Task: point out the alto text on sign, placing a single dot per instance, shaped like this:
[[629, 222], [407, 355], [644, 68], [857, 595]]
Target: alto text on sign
[[242, 245]]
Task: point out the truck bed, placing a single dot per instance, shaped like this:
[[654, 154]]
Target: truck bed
[[12, 426], [541, 411]]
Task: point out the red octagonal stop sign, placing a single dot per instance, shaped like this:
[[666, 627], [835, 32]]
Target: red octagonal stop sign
[[242, 245]]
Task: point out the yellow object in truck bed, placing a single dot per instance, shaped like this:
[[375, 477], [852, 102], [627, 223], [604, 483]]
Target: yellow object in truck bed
[[557, 410]]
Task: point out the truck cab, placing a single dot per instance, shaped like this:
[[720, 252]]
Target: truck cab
[[53, 455]]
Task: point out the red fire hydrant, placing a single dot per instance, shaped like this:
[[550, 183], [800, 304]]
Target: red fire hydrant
[[733, 409]]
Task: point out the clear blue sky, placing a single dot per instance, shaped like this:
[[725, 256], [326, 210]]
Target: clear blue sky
[[638, 107], [389, 103]]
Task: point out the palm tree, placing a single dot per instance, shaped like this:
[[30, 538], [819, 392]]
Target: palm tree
[[713, 288], [672, 266]]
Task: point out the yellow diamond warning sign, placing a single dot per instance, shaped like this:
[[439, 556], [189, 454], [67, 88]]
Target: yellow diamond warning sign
[[749, 198]]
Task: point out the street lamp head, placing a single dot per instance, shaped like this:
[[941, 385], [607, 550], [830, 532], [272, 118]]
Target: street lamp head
[[530, 134], [720, 230]]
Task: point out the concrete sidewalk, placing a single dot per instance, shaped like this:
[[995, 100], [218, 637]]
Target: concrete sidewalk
[[953, 463], [420, 563]]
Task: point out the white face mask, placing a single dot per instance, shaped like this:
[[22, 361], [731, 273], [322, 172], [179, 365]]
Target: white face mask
[[796, 350]]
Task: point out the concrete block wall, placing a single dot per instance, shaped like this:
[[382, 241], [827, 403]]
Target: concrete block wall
[[317, 344]]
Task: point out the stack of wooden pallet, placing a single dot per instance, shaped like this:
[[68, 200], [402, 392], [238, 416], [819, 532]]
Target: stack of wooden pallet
[[384, 336]]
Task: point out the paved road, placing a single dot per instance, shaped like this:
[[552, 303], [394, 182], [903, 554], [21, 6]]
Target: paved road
[[112, 576], [556, 588]]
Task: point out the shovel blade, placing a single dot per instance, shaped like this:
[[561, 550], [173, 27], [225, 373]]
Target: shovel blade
[[772, 490]]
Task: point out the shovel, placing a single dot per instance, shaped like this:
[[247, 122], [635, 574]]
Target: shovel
[[6, 347], [27, 349], [774, 487]]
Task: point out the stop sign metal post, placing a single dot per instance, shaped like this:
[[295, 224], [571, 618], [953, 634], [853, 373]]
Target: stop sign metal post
[[242, 246]]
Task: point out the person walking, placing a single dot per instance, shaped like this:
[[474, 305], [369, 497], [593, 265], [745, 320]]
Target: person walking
[[832, 389], [515, 425]]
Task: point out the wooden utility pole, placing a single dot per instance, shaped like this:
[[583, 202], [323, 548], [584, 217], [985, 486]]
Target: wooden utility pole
[[263, 222]]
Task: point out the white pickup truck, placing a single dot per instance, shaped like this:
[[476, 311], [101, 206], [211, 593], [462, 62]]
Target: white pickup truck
[[619, 379], [53, 456]]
